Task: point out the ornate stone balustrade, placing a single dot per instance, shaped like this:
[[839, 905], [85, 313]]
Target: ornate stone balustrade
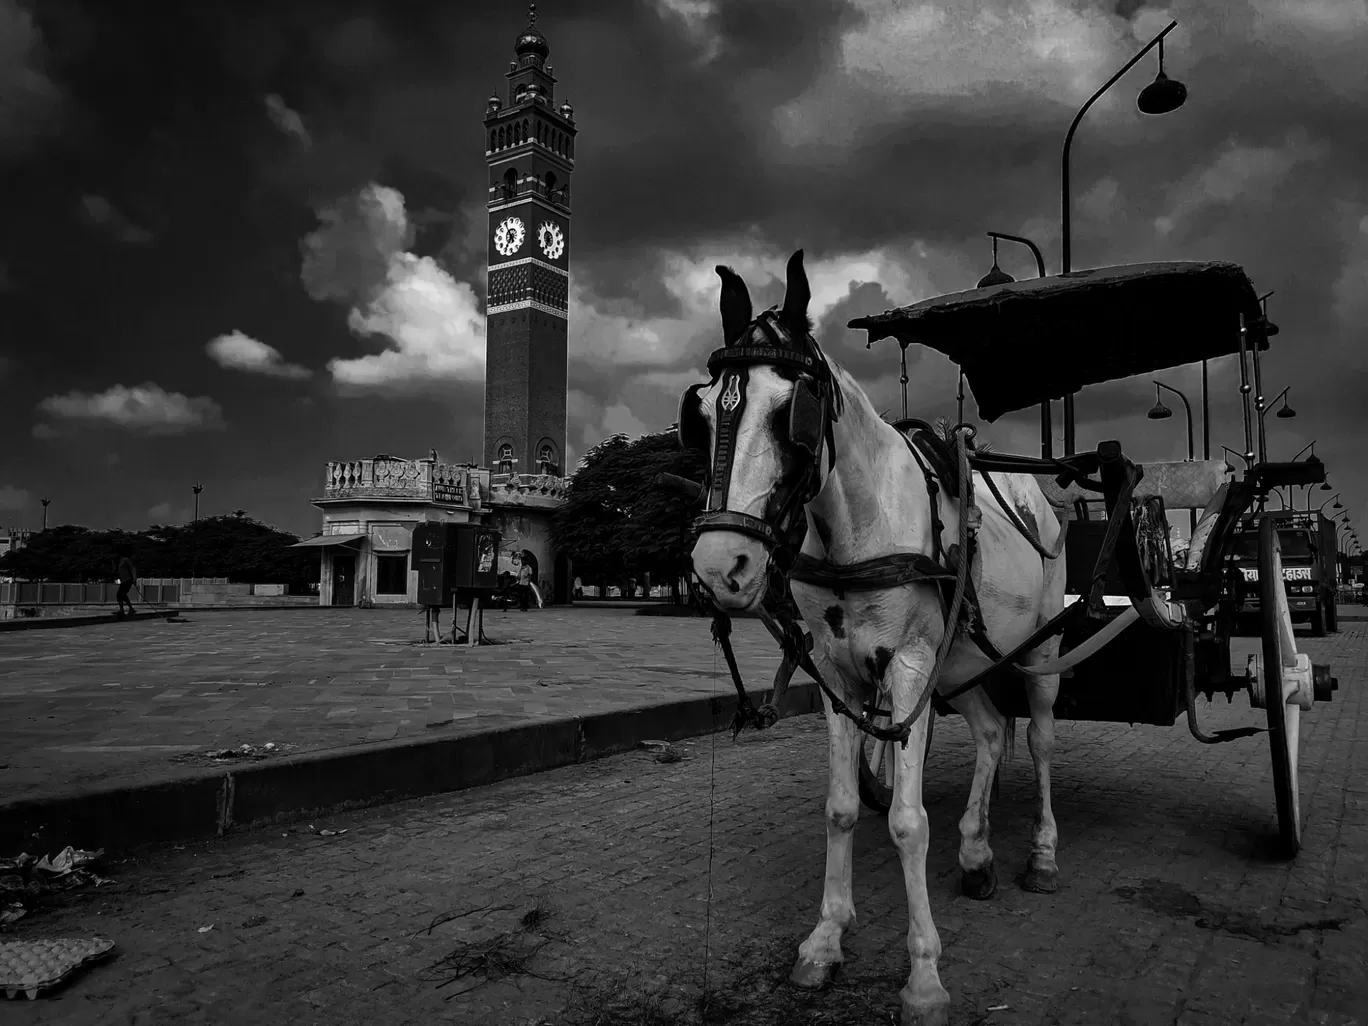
[[385, 478], [388, 478]]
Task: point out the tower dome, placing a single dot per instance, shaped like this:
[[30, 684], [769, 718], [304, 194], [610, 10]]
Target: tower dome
[[532, 41]]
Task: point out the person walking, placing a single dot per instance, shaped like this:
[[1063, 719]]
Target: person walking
[[524, 585], [127, 575]]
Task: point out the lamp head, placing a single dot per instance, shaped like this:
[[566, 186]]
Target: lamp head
[[995, 276], [1159, 412], [1161, 96], [1286, 413], [1325, 487]]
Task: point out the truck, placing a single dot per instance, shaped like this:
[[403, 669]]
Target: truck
[[1309, 549]]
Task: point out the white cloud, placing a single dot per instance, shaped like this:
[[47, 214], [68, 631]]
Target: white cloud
[[610, 333], [12, 498], [696, 16], [287, 120], [1239, 173], [432, 324], [242, 352], [613, 337], [146, 408]]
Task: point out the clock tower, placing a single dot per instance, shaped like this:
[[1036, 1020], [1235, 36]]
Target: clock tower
[[530, 150]]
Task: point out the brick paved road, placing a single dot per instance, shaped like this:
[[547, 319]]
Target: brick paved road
[[1170, 909], [135, 701]]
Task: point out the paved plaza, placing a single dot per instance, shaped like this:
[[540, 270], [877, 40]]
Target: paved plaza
[[133, 703], [581, 895]]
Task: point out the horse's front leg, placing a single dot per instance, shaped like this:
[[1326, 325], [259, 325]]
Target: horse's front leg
[[1042, 871], [978, 877], [820, 956], [925, 1001]]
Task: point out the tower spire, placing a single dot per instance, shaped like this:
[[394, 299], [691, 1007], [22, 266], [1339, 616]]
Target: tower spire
[[532, 13]]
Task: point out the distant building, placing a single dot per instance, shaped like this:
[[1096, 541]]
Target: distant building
[[14, 539], [370, 508]]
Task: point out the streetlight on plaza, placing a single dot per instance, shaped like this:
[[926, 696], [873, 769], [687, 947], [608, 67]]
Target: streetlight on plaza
[[997, 276], [45, 506], [1161, 412], [197, 488], [1334, 499], [1159, 97]]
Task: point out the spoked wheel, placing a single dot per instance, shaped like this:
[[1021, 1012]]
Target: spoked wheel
[[877, 761], [1285, 680]]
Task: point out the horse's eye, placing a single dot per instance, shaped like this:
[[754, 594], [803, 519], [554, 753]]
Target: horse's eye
[[779, 422]]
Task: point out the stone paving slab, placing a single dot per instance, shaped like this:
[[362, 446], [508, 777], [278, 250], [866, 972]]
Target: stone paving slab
[[1171, 908], [138, 703]]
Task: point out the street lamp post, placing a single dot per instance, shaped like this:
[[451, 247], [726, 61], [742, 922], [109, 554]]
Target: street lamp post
[[1161, 412], [1159, 97], [45, 506], [1334, 498], [997, 276], [197, 488]]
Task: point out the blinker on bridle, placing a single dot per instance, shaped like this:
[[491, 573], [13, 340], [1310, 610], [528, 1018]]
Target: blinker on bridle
[[810, 419]]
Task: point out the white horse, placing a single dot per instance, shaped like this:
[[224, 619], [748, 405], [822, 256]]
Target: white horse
[[869, 497]]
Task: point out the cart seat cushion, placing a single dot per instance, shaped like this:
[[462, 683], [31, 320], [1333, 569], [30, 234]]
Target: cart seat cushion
[[1191, 484]]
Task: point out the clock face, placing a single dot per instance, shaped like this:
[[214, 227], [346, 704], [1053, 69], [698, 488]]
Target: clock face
[[508, 237], [551, 239]]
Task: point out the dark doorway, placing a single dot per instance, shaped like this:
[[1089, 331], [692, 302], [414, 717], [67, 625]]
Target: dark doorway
[[344, 580], [561, 587]]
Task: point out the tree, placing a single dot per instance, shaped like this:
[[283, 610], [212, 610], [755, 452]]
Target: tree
[[617, 522], [236, 547]]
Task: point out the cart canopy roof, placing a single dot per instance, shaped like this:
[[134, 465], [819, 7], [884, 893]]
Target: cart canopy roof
[[1024, 342]]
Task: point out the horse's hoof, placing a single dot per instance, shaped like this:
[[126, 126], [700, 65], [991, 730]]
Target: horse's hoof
[[933, 1013], [978, 884], [1041, 879], [811, 975]]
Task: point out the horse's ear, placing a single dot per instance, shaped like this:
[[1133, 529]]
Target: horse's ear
[[796, 297], [735, 305]]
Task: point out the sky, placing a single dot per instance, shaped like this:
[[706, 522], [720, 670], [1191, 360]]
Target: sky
[[244, 238]]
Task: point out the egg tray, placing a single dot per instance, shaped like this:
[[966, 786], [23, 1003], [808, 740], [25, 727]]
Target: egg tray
[[30, 966]]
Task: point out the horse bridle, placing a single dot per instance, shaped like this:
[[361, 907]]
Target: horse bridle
[[812, 411]]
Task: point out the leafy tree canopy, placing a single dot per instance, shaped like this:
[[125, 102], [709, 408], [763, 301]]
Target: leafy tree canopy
[[236, 547], [616, 521]]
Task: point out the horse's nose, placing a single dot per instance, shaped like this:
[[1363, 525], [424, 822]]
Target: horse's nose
[[737, 573]]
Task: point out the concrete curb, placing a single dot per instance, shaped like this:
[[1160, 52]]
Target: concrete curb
[[217, 802]]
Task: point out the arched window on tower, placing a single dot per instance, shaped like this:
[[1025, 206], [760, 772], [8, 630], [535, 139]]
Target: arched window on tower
[[492, 138], [524, 129], [517, 133], [510, 183], [551, 186], [506, 459], [546, 459]]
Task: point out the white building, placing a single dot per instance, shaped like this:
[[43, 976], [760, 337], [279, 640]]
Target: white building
[[371, 506]]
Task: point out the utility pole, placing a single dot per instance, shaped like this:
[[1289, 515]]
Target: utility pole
[[197, 489], [45, 506]]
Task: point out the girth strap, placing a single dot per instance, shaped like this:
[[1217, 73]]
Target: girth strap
[[869, 575]]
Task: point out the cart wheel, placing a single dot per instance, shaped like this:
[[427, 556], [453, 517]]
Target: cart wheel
[[1279, 659], [877, 762]]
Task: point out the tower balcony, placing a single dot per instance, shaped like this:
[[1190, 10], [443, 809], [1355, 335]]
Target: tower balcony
[[388, 479], [505, 193]]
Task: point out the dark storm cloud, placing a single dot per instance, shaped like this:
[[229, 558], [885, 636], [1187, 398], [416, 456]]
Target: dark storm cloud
[[221, 130]]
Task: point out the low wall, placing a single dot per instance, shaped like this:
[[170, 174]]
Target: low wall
[[25, 598]]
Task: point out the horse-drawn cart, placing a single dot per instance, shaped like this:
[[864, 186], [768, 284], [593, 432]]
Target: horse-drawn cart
[[1150, 632], [914, 558]]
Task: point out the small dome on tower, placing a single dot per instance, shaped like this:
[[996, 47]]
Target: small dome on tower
[[567, 111], [494, 102], [532, 41]]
